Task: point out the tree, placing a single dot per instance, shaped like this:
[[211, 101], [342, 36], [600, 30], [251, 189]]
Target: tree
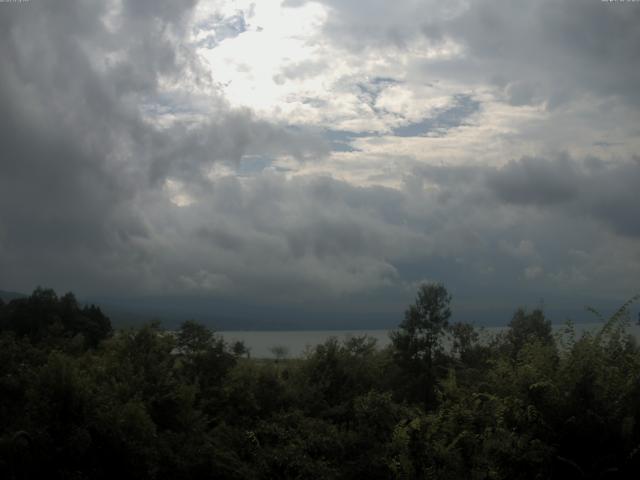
[[465, 343], [280, 352], [527, 327], [419, 336], [45, 317], [239, 349], [205, 361], [194, 338]]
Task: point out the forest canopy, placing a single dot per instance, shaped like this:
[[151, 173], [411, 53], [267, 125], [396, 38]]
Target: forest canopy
[[79, 400]]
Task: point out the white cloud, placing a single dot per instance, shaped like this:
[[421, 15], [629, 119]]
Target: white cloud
[[533, 272]]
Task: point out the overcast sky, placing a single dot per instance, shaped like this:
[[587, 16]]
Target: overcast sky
[[322, 155]]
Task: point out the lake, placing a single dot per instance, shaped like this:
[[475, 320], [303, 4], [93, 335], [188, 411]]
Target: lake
[[296, 342]]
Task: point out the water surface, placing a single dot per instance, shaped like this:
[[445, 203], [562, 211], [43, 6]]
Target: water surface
[[297, 342]]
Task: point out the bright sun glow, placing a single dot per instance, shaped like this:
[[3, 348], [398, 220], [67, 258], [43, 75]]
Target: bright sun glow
[[248, 66]]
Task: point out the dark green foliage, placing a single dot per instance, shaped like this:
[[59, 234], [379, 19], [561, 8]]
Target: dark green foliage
[[79, 403], [425, 322], [418, 341], [337, 372], [526, 328], [59, 321]]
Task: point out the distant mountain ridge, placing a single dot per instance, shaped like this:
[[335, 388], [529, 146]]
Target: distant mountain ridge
[[8, 296], [242, 314], [220, 314]]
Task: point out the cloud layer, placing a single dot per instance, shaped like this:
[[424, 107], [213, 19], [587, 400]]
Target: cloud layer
[[315, 153]]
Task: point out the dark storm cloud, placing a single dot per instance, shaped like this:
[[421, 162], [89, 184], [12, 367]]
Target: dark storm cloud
[[79, 155], [276, 238], [560, 186], [554, 48], [60, 119], [537, 181], [377, 25], [544, 51], [184, 151], [317, 236], [87, 153], [604, 191], [489, 238]]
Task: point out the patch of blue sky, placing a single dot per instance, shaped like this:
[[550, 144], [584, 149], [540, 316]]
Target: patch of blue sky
[[221, 28], [451, 117], [252, 164], [340, 140], [166, 104], [371, 90]]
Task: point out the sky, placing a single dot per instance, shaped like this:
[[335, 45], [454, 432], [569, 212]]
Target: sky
[[318, 160]]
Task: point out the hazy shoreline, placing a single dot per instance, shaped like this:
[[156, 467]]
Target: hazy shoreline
[[260, 342]]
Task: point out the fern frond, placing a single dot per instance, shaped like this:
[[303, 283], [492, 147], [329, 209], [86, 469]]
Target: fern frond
[[615, 317]]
